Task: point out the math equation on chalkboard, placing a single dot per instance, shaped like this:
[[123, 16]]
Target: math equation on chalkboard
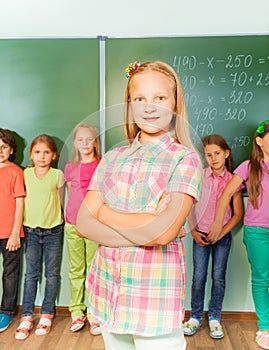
[[224, 92], [225, 80]]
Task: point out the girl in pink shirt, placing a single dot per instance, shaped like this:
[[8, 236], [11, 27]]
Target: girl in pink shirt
[[255, 175], [78, 174], [216, 176]]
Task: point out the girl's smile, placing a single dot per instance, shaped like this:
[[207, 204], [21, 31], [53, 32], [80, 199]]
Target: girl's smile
[[215, 157], [152, 103], [85, 143]]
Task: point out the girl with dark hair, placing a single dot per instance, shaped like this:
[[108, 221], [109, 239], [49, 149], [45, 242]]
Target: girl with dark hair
[[216, 176]]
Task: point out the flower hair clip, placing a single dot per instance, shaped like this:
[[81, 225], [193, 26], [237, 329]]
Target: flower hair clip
[[260, 129], [132, 67]]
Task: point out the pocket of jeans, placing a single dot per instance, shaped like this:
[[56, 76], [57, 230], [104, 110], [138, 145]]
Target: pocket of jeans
[[57, 229], [27, 229]]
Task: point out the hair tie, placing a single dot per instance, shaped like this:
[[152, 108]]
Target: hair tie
[[260, 129], [132, 67]]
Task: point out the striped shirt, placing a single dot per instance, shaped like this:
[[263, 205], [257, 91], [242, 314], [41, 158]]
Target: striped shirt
[[141, 290]]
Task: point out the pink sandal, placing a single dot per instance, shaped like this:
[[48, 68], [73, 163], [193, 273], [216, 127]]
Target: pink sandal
[[44, 324], [95, 328], [26, 324], [78, 322]]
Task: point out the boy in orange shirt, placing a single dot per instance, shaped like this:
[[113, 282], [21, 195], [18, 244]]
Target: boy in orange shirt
[[12, 195]]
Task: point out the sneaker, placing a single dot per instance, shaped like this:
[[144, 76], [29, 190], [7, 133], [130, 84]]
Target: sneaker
[[95, 328], [5, 321], [78, 322], [190, 327], [215, 328], [44, 324], [262, 339]]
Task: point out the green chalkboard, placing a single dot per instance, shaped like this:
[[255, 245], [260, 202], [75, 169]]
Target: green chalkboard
[[225, 82], [47, 86]]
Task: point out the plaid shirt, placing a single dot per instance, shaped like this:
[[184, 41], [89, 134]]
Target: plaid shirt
[[141, 290]]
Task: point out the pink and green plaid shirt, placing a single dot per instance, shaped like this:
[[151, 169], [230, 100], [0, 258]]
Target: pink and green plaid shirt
[[141, 290]]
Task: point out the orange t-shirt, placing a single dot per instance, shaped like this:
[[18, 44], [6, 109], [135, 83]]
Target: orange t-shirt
[[11, 187]]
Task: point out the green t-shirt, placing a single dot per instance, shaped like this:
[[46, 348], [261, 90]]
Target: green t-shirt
[[42, 202]]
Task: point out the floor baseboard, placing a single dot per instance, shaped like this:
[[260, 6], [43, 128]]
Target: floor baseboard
[[225, 315], [231, 315]]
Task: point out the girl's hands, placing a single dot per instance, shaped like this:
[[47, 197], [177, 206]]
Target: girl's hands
[[214, 232], [199, 238], [13, 243]]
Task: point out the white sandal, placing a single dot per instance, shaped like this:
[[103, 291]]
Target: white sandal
[[95, 328], [44, 324], [262, 339], [26, 324]]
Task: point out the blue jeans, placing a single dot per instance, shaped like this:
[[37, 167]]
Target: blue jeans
[[10, 278], [220, 253], [41, 243]]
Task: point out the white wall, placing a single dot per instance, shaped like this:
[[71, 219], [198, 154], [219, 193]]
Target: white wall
[[139, 18]]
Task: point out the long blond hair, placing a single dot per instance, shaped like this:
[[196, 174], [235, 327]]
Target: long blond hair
[[255, 169], [179, 124], [76, 157]]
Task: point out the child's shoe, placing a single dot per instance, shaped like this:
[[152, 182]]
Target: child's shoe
[[262, 339], [44, 324], [26, 324], [5, 321], [95, 328], [216, 330], [78, 322], [190, 327]]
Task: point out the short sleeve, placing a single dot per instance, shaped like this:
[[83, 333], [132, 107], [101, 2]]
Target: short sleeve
[[243, 170], [187, 176], [60, 178], [19, 188], [67, 172], [97, 178]]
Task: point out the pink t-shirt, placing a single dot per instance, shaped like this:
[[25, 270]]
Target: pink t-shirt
[[79, 176], [256, 217], [205, 209]]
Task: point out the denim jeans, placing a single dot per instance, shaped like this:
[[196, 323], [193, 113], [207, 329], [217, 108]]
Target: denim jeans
[[41, 243], [220, 252], [10, 278]]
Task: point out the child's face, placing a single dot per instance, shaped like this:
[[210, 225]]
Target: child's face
[[41, 155], [152, 103], [5, 152], [84, 142], [215, 157]]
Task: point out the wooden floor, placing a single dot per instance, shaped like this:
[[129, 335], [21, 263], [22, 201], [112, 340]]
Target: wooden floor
[[239, 335]]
